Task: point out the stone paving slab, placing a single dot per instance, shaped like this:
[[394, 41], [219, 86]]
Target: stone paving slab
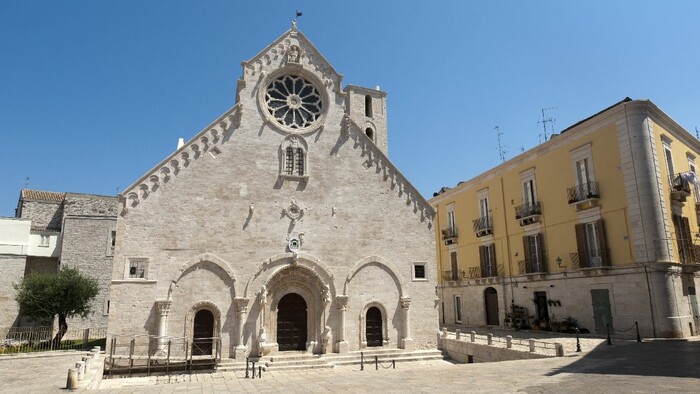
[[651, 366]]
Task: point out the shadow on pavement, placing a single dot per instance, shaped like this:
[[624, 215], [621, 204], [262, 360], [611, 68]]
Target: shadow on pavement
[[672, 358]]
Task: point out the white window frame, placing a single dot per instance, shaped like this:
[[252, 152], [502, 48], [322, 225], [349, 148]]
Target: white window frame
[[425, 272], [451, 223], [592, 244], [583, 154], [458, 307], [527, 177], [134, 261], [298, 144], [668, 157]]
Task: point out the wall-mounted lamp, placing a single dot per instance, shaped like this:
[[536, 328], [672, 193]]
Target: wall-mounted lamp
[[558, 260], [251, 208]]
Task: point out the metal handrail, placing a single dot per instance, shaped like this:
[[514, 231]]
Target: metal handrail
[[482, 224], [450, 232], [527, 210], [582, 192]]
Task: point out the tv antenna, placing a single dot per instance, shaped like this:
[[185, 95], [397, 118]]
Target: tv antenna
[[26, 182], [544, 122], [501, 148], [697, 133]]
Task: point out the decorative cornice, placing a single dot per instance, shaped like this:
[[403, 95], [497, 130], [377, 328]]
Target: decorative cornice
[[209, 140], [377, 158]]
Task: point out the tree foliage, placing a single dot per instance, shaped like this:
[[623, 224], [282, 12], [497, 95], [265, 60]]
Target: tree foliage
[[66, 294]]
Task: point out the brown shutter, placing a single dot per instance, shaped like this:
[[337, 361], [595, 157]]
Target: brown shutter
[[526, 249], [581, 244], [492, 252], [688, 240], [540, 250], [482, 260], [604, 253]]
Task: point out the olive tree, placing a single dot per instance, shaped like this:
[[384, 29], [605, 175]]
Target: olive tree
[[66, 294]]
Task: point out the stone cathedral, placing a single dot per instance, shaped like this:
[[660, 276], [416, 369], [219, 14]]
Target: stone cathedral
[[281, 226]]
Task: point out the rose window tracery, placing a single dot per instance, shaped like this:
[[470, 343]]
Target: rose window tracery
[[293, 101]]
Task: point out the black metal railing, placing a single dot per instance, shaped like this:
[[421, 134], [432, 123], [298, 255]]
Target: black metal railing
[[592, 258], [681, 182], [583, 192], [533, 266], [482, 225], [474, 272], [526, 210], [451, 275], [449, 233]]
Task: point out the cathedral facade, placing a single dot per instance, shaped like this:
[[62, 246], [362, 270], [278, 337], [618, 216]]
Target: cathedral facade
[[280, 226]]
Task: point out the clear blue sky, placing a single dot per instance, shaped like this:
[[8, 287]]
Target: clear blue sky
[[94, 93]]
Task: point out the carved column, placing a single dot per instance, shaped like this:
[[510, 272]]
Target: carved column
[[407, 340], [342, 301], [163, 311], [241, 305]]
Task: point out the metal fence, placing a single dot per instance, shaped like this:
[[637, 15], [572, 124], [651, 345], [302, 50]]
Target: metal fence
[[41, 339], [145, 355]]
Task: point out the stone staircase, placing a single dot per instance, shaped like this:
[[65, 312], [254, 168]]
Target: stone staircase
[[302, 360]]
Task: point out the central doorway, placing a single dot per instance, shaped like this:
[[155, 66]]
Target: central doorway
[[374, 327], [203, 333], [491, 302], [291, 323]]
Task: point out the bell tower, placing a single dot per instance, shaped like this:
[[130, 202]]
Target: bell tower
[[367, 108]]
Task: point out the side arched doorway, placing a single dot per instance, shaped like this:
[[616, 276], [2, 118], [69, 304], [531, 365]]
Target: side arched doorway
[[202, 340], [491, 303], [291, 323], [374, 327]]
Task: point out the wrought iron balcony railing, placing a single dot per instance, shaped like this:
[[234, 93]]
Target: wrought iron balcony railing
[[527, 210], [482, 226], [591, 259], [453, 276], [533, 266], [449, 233], [681, 182], [583, 192]]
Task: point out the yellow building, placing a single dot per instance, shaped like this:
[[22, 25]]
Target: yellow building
[[600, 224]]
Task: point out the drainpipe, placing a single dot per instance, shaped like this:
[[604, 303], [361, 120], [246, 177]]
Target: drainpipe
[[510, 266]]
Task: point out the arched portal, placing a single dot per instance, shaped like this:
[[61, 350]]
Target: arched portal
[[291, 322], [491, 303], [374, 327], [203, 333]]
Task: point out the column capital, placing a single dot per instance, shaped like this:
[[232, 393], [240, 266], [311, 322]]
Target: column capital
[[342, 301], [163, 307], [241, 304], [405, 302]]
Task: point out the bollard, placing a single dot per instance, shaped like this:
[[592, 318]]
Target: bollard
[[609, 340], [253, 369], [531, 342], [473, 336], [636, 324], [72, 381], [96, 349], [578, 343], [489, 339], [458, 333], [559, 349], [393, 363], [509, 341], [81, 369], [362, 361], [376, 363], [246, 368], [87, 360], [444, 332], [259, 371]]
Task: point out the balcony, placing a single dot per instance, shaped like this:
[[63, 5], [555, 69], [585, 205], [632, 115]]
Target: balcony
[[533, 266], [585, 195], [680, 185], [452, 276], [528, 213], [482, 226], [593, 258], [449, 235]]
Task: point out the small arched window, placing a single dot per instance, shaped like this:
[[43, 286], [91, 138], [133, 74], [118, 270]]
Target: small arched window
[[293, 152], [370, 133], [368, 106]]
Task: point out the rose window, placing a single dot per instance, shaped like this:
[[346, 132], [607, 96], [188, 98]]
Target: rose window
[[293, 101]]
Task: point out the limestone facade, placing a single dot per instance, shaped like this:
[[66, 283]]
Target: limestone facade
[[280, 225]]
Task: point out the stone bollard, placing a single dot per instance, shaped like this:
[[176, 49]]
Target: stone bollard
[[532, 345], [559, 348], [81, 369], [473, 336], [72, 381], [509, 341], [444, 333], [458, 333], [87, 360], [489, 339], [96, 349]]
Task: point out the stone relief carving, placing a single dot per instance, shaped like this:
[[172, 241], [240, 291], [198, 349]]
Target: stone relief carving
[[293, 54], [294, 211]]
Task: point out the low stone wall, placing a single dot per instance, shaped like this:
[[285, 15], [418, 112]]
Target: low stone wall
[[466, 349]]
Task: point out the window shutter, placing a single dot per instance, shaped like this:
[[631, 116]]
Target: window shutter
[[687, 240], [526, 249], [581, 244], [492, 253], [540, 249], [600, 231], [482, 260]]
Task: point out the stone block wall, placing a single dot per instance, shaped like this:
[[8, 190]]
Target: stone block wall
[[12, 272], [45, 215]]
